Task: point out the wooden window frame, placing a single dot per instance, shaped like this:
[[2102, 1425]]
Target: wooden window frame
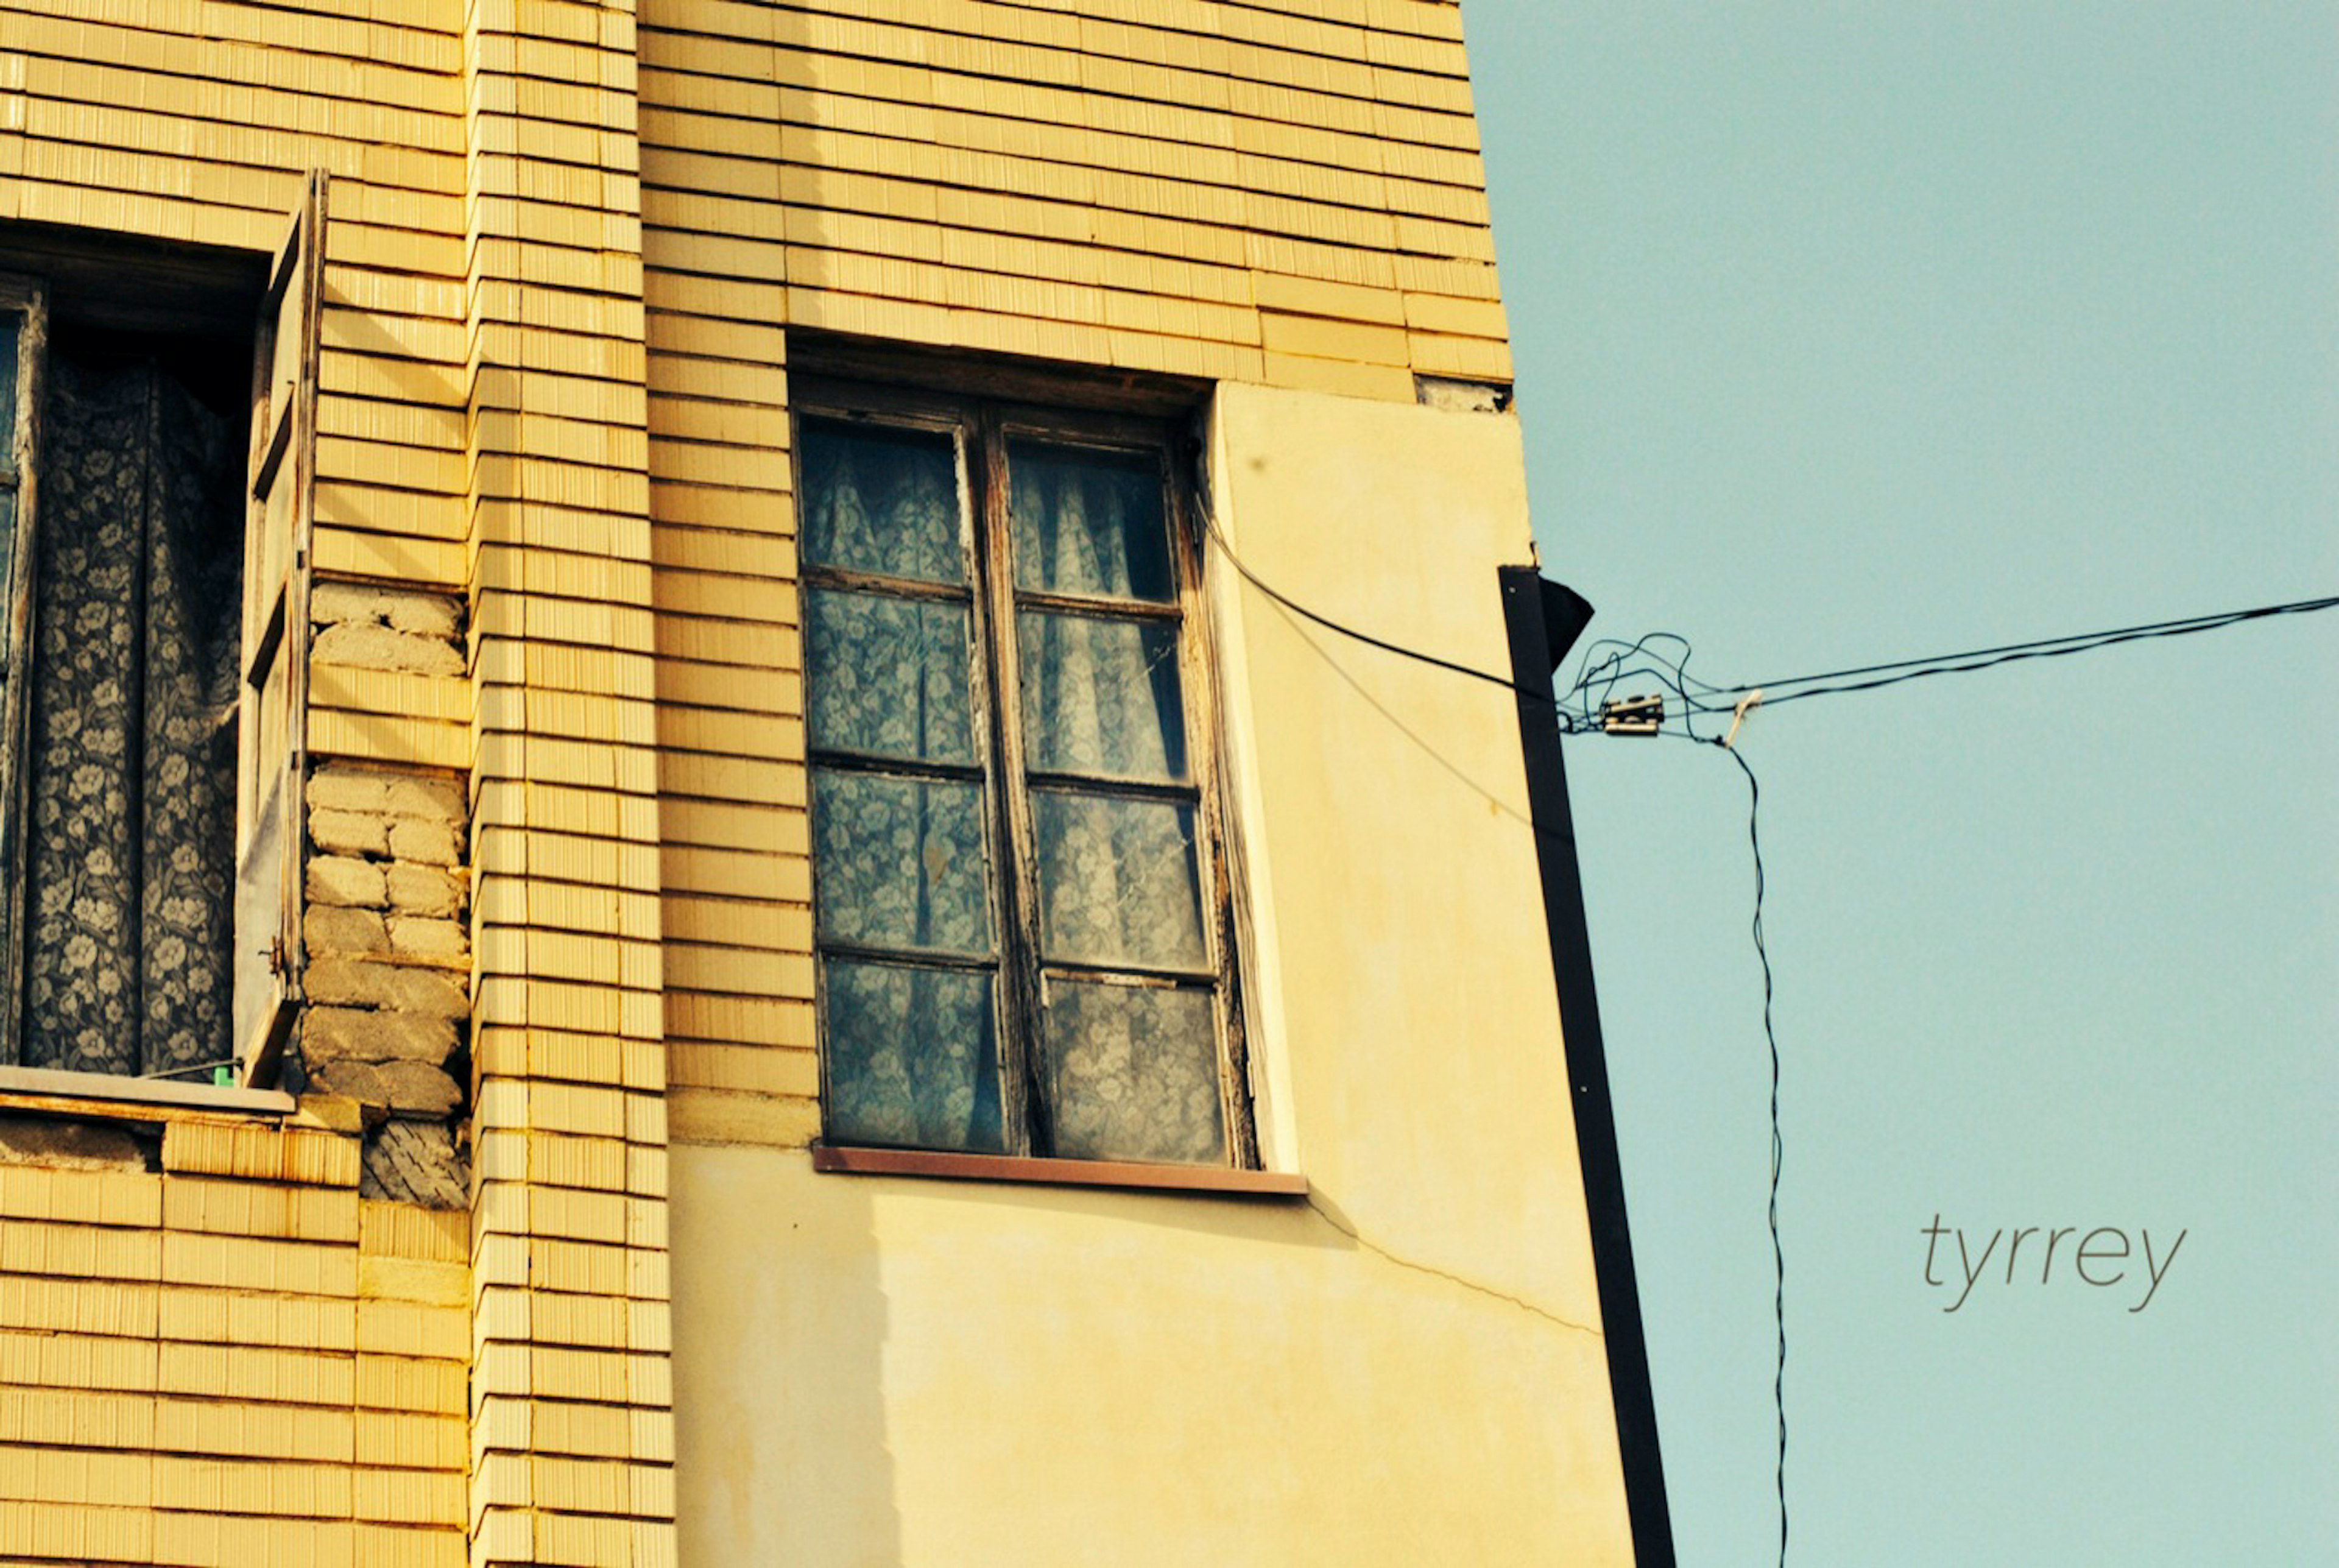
[[26, 297], [271, 837], [982, 426], [106, 281]]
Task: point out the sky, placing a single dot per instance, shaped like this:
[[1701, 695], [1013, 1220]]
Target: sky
[[1861, 332]]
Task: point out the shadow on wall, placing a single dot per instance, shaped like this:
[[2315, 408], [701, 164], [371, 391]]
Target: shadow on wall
[[759, 1349]]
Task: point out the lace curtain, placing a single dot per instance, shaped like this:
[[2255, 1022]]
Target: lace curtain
[[1124, 1068], [912, 1049], [131, 777], [1127, 1070]]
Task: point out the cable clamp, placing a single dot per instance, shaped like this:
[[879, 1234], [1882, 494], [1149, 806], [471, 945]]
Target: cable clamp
[[1637, 716], [1746, 704]]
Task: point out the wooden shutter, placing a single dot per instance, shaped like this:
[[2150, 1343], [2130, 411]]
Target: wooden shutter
[[272, 725], [24, 305]]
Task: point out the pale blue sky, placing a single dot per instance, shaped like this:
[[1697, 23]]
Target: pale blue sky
[[1848, 332]]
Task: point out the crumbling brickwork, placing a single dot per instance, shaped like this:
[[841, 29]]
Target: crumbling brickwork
[[389, 949]]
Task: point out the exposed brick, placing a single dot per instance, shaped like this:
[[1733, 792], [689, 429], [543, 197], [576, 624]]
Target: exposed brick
[[418, 1088], [333, 930], [425, 615], [331, 603], [75, 1146], [380, 647], [428, 938], [422, 889], [346, 789], [415, 1162], [408, 1088], [335, 980], [350, 833], [351, 604], [334, 879], [436, 800], [431, 842], [358, 1080], [359, 1034], [341, 981], [421, 991]]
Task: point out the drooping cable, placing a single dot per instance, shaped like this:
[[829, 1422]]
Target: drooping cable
[[1898, 670], [1777, 1144], [1603, 672], [1225, 547]]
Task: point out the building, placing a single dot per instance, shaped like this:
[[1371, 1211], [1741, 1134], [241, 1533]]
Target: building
[[673, 902]]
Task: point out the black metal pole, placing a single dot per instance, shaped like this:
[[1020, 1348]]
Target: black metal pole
[[1542, 619]]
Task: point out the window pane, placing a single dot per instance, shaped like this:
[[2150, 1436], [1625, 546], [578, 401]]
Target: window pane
[[901, 863], [913, 1057], [881, 501], [131, 782], [888, 676], [1131, 1072], [1119, 884], [10, 326], [7, 560], [1100, 696], [1089, 522]]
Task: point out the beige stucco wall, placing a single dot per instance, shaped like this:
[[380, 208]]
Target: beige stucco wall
[[1404, 1369]]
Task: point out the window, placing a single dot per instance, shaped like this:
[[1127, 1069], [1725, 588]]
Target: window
[[1023, 908], [148, 545]]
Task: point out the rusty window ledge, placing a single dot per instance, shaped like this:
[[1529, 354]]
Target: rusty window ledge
[[55, 1091], [1128, 1174]]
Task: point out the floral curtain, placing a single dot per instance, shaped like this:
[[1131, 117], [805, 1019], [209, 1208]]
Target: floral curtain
[[130, 847], [1128, 1066], [1125, 1064], [912, 1049]]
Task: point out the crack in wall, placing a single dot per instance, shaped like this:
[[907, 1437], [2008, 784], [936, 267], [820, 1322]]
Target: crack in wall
[[1470, 1284]]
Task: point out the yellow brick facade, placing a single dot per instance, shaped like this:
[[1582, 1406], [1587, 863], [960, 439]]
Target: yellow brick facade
[[235, 1359], [569, 244], [1283, 194]]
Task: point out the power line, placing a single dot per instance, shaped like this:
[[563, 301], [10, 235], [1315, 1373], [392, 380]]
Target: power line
[[1500, 806], [1602, 674], [1898, 670], [1603, 671], [1777, 1144], [1227, 548], [1606, 672]]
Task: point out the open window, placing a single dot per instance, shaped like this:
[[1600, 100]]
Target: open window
[[274, 735], [1022, 904], [154, 515]]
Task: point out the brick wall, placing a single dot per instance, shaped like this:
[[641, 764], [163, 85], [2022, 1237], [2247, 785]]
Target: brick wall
[[387, 1022], [215, 1351], [559, 884], [220, 1343], [1287, 192]]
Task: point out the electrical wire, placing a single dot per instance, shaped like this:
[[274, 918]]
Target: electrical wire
[[1610, 664], [1225, 547], [1898, 670], [1600, 675], [1500, 806], [1691, 698], [1597, 679], [1778, 1143]]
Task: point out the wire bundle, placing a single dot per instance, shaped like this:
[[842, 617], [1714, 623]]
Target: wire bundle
[[1610, 664]]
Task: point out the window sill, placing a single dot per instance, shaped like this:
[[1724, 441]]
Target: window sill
[[1058, 1172], [61, 1093]]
